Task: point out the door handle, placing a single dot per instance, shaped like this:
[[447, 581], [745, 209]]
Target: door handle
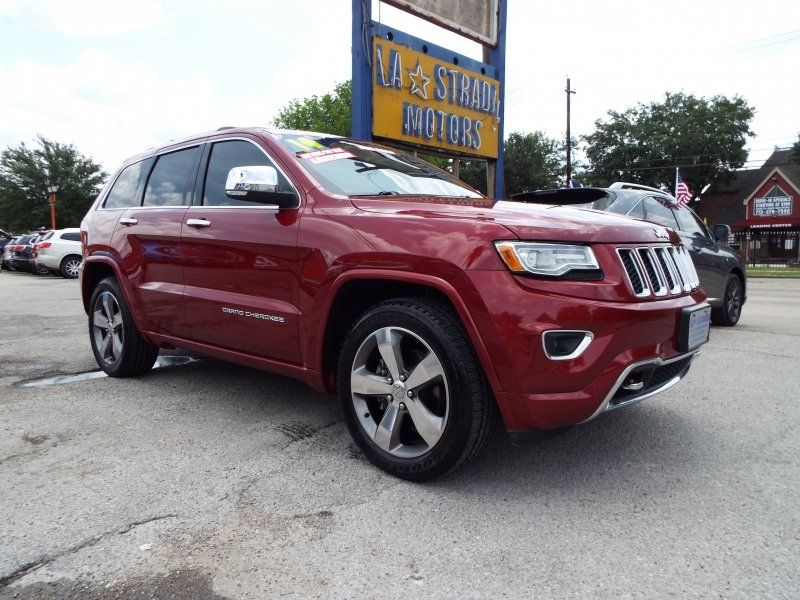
[[198, 222], [128, 221]]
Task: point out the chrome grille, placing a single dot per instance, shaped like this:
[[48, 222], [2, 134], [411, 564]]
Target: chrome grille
[[658, 270]]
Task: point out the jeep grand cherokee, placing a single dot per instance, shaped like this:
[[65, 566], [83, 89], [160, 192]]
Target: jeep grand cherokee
[[358, 268]]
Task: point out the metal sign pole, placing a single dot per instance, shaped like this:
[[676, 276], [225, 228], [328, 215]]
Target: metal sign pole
[[361, 106], [496, 56]]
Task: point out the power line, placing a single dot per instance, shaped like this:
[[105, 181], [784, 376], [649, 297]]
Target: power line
[[769, 37], [786, 41], [613, 170]]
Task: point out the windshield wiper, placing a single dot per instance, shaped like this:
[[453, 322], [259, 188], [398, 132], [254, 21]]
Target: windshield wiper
[[385, 193]]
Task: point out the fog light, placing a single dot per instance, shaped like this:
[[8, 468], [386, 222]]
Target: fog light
[[562, 344]]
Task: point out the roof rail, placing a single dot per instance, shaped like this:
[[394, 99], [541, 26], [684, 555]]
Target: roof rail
[[622, 185]]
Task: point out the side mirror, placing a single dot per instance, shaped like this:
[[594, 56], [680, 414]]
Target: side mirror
[[721, 232], [258, 183]]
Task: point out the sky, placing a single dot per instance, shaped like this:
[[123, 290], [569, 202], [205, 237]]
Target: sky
[[115, 77]]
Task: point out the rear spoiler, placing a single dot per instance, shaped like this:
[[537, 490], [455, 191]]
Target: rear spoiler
[[563, 196]]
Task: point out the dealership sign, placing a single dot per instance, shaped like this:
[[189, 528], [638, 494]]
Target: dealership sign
[[421, 100], [772, 206], [476, 19]]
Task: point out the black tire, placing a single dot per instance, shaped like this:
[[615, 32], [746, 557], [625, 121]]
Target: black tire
[[471, 411], [41, 270], [69, 266], [728, 314], [135, 356]]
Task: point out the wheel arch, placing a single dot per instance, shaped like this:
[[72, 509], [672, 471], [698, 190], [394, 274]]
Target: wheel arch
[[742, 279], [93, 271], [354, 293]]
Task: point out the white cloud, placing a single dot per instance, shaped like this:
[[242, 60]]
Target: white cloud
[[107, 108], [85, 17]]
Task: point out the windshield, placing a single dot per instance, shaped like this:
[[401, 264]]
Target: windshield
[[364, 169]]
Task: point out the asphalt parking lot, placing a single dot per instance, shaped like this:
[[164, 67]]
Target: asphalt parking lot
[[208, 480]]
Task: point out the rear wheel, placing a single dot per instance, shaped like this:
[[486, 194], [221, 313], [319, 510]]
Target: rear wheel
[[41, 269], [118, 348], [413, 393], [70, 267], [728, 314]]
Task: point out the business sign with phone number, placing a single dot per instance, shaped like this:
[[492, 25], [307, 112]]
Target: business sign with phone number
[[772, 206]]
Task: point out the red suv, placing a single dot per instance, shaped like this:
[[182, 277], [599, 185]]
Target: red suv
[[358, 268]]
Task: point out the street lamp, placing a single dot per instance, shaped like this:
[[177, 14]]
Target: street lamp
[[52, 190]]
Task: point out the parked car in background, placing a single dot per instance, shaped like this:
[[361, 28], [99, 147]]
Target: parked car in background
[[363, 269], [7, 253], [59, 252], [5, 237], [722, 270], [21, 251]]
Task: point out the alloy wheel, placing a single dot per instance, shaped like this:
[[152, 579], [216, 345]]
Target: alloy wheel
[[734, 302], [400, 393], [72, 267], [107, 328]]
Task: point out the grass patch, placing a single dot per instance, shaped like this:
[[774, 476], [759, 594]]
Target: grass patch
[[772, 272]]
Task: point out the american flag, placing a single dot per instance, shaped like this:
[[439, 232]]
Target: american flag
[[682, 192]]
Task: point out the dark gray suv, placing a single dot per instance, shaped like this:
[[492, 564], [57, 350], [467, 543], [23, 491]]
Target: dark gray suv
[[721, 269]]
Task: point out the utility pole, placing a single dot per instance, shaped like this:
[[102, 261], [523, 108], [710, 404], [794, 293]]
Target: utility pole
[[569, 134]]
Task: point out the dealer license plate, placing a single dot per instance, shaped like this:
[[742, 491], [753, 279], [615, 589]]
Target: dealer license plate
[[695, 327]]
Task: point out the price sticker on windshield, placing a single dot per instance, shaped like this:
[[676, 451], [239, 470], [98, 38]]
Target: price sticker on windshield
[[322, 156]]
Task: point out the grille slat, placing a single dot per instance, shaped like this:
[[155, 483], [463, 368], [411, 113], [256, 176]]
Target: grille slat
[[658, 270], [656, 279], [632, 269]]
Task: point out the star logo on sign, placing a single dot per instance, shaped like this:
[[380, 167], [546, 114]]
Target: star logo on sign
[[419, 81]]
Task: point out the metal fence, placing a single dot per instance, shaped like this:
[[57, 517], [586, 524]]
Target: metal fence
[[769, 249]]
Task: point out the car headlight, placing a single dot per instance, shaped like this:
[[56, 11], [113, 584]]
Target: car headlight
[[549, 260]]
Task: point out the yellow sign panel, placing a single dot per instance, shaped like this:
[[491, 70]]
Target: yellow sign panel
[[420, 100]]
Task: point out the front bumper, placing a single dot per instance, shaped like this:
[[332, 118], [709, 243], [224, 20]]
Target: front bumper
[[540, 393]]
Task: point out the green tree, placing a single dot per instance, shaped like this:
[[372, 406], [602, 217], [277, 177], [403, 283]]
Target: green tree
[[329, 113], [25, 173], [532, 161], [794, 155], [704, 137]]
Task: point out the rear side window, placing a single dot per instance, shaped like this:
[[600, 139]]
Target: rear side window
[[224, 157], [124, 192], [637, 212], [688, 222], [656, 212], [71, 236], [172, 179]]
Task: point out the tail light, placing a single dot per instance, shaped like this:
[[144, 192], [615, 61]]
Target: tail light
[[43, 245]]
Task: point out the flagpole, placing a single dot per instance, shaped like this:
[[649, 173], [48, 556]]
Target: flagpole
[[676, 183]]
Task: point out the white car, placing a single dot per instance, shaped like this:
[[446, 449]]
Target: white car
[[60, 252]]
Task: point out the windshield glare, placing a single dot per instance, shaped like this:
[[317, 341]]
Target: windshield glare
[[354, 168]]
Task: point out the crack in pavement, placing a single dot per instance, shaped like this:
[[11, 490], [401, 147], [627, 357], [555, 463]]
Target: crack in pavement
[[46, 559], [297, 431]]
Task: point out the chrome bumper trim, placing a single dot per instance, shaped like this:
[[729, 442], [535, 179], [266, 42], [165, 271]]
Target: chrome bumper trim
[[658, 362]]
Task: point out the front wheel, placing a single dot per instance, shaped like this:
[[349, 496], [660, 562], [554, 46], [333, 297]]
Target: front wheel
[[118, 348], [728, 314], [413, 393]]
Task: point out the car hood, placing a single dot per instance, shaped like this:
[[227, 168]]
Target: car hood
[[527, 222]]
